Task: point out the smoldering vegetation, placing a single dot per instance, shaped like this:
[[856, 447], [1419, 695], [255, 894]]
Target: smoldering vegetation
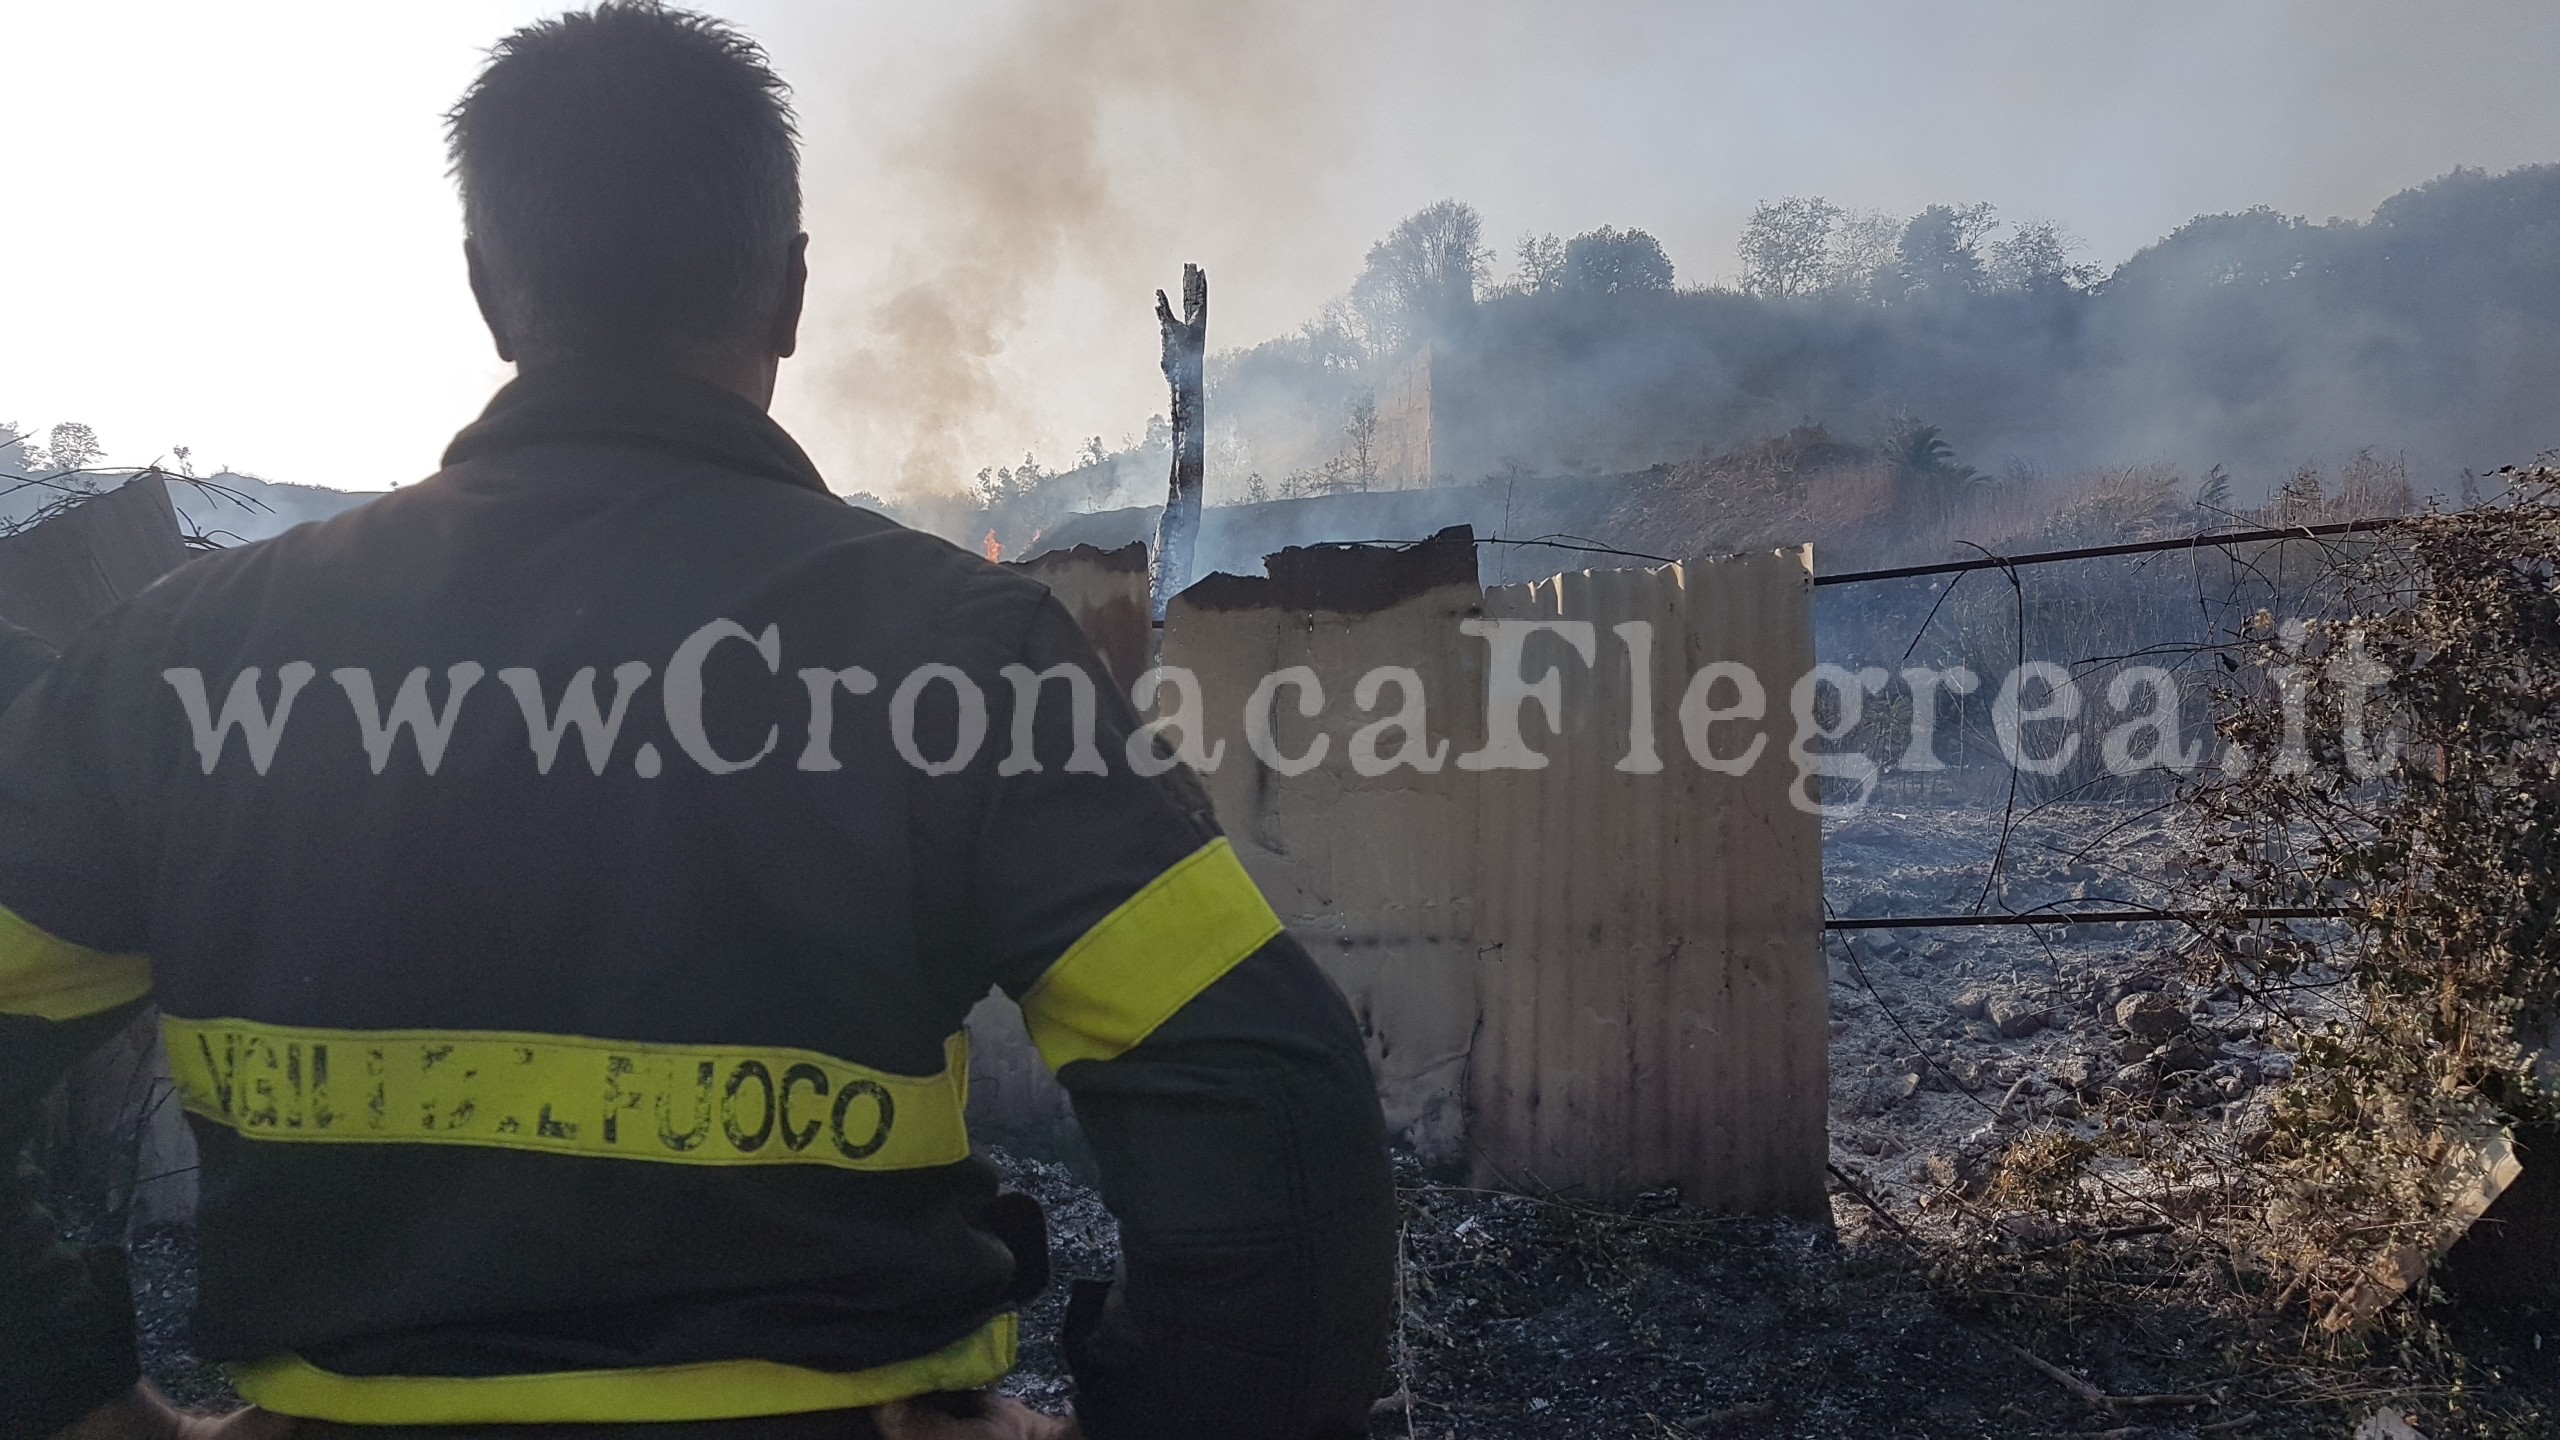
[[2126, 653], [2254, 340], [2247, 345]]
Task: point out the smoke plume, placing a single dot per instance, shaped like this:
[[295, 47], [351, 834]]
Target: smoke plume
[[1089, 140]]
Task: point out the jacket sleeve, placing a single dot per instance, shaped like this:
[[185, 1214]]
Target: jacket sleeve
[[71, 976], [1220, 1082]]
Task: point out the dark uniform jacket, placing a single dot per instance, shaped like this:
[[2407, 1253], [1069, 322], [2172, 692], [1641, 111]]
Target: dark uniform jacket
[[23, 657], [561, 883]]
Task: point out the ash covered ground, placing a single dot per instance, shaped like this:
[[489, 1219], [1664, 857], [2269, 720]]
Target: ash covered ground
[[1553, 1316], [1945, 1042]]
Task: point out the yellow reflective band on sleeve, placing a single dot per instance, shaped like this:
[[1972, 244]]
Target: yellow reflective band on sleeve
[[566, 1095], [54, 979], [718, 1390], [1149, 958]]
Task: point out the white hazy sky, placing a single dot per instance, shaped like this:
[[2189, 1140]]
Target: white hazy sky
[[229, 225]]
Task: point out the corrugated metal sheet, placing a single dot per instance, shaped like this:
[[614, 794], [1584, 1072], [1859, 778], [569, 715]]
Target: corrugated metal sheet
[[1577, 978], [57, 577], [1651, 974]]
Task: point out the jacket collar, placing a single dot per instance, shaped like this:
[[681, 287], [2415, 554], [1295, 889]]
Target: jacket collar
[[644, 409]]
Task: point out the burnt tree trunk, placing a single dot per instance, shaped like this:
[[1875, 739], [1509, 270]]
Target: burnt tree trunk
[[1185, 344]]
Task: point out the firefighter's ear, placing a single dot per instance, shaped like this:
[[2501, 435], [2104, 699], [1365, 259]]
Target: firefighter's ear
[[785, 337], [481, 291]]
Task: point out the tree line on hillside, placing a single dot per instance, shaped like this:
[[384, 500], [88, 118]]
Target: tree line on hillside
[[1806, 247], [1425, 278], [2256, 340], [67, 449], [39, 477], [1432, 268]]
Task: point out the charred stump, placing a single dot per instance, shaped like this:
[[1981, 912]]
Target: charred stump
[[1185, 344]]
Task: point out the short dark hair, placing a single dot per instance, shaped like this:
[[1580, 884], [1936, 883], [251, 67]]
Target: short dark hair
[[630, 176]]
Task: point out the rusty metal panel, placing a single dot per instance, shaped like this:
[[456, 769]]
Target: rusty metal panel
[[60, 575], [1651, 971]]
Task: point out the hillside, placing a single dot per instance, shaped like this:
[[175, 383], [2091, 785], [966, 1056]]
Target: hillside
[[2255, 340]]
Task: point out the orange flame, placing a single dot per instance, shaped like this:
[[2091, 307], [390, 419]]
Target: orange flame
[[994, 547]]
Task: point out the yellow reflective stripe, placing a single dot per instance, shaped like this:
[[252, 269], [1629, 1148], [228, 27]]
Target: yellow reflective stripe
[[54, 979], [568, 1095], [717, 1390], [1149, 958]]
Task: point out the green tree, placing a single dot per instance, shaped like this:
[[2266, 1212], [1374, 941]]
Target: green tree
[[1862, 247], [71, 446], [1941, 250], [2036, 257], [1422, 277], [1610, 261], [1542, 264], [1921, 452], [1360, 437], [1787, 245]]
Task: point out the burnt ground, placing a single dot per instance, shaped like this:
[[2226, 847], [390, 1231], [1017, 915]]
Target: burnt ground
[[1539, 1317], [1545, 1318], [1920, 1310]]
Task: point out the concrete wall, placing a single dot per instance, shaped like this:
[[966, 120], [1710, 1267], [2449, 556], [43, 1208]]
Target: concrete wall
[[1403, 447], [1586, 977]]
